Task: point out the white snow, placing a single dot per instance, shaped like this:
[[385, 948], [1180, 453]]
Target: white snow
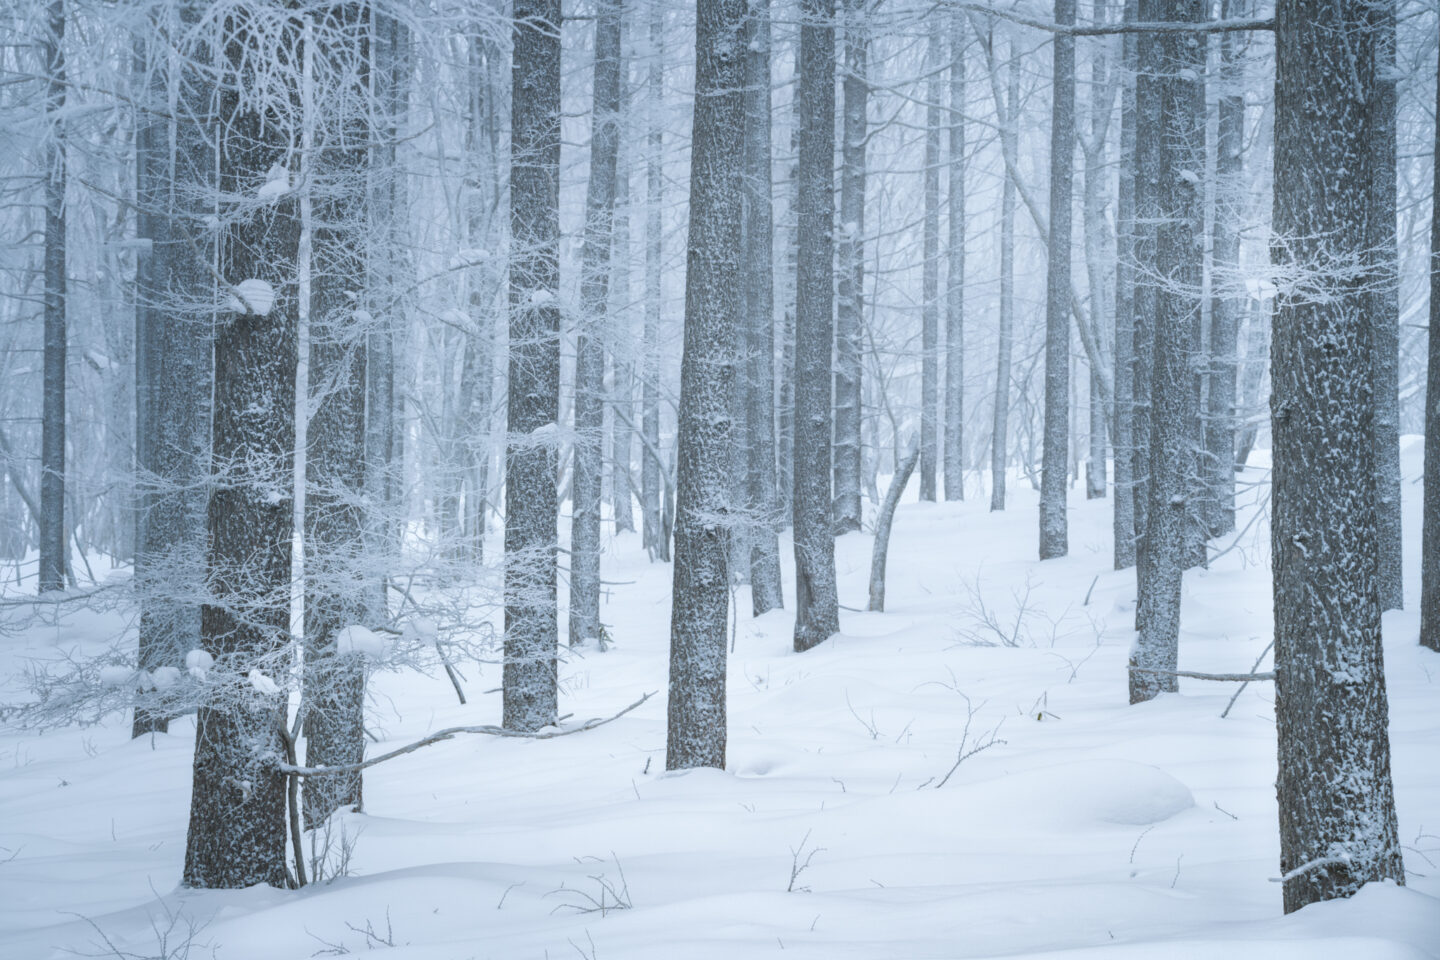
[[1094, 831], [116, 676], [252, 296], [260, 682], [276, 185], [358, 639], [198, 663], [163, 678]]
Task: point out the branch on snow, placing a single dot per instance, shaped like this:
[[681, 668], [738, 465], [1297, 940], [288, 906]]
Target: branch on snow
[[1195, 675]]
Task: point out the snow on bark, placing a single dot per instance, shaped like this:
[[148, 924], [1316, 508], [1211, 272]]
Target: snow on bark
[[1005, 334], [53, 560], [930, 272], [653, 530], [1123, 441], [850, 306], [1430, 546], [953, 454]]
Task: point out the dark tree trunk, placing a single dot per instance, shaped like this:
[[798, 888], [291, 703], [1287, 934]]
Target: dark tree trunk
[[714, 306], [1337, 804], [851, 304], [653, 526], [52, 424], [1005, 335], [817, 610], [1123, 442], [1430, 547], [237, 807], [1054, 539], [531, 508], [930, 272], [172, 366], [1384, 310], [1179, 228], [763, 499], [954, 446], [336, 585], [1229, 299], [589, 343], [1148, 129]]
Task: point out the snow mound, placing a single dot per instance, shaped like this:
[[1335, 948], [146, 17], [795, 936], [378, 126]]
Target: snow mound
[[1104, 791]]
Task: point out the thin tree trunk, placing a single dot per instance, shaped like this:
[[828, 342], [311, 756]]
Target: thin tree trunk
[[237, 807], [817, 612], [531, 508], [713, 311], [851, 304], [763, 499], [1180, 225], [589, 342], [1384, 310], [879, 552], [652, 523], [622, 362], [1098, 253], [174, 294], [52, 441], [954, 448], [930, 272], [1053, 526], [1005, 335], [1336, 800], [1252, 381], [1430, 546]]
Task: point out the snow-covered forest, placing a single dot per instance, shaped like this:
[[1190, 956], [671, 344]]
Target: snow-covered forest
[[628, 479]]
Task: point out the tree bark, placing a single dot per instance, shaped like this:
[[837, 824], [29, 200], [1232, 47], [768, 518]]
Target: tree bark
[[930, 271], [817, 611], [879, 552], [52, 425], [1123, 440], [1430, 546], [849, 314], [954, 444], [531, 507], [763, 499], [1005, 335], [590, 337], [713, 313], [653, 528], [1337, 802], [237, 808], [1054, 541]]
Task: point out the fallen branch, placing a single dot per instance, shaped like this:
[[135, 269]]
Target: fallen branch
[[1241, 689], [490, 730], [1195, 675]]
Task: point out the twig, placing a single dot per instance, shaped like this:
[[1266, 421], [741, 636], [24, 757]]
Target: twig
[[1315, 864], [1241, 689]]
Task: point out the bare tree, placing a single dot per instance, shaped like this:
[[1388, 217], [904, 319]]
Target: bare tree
[[53, 551], [930, 270], [1337, 804], [1124, 440], [851, 305], [1009, 111], [1430, 546], [954, 447], [654, 531]]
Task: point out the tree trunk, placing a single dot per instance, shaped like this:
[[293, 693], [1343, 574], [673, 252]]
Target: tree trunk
[[652, 532], [954, 447], [851, 305], [881, 548], [1430, 547], [172, 365], [1337, 804], [237, 806], [713, 309], [590, 336], [1148, 129], [1384, 310], [763, 499], [1005, 335], [531, 508], [1053, 526], [622, 362], [1123, 442], [335, 521], [52, 430], [817, 611], [930, 272], [1180, 225]]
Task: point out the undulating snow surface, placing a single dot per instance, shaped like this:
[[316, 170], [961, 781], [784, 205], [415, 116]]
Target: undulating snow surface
[[1090, 829]]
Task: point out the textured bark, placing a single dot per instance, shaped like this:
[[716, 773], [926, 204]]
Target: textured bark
[[1123, 440], [1098, 246], [1384, 309], [1252, 380], [653, 528], [336, 564], [1054, 535], [879, 552], [954, 443], [237, 807], [1177, 268], [619, 350], [817, 611], [850, 307], [1005, 334], [713, 313], [52, 423], [930, 271], [1148, 129], [763, 499], [1228, 301], [590, 335], [531, 508], [1430, 546], [1336, 799], [172, 364]]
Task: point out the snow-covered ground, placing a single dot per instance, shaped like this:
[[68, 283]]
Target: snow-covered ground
[[1089, 829]]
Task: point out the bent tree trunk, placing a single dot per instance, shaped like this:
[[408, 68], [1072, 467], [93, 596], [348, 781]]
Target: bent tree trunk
[[880, 551], [1337, 804], [713, 312], [237, 807]]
